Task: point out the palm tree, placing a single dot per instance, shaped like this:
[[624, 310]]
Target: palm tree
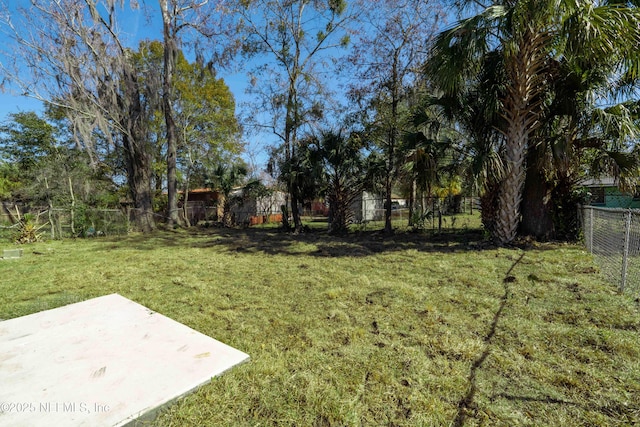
[[474, 113], [529, 37], [432, 153], [578, 139], [342, 169], [225, 178], [298, 172]]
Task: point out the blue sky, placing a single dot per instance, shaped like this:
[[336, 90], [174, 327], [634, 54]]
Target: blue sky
[[10, 104]]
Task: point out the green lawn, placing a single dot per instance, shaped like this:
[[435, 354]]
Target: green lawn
[[412, 330]]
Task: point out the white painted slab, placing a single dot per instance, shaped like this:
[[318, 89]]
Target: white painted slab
[[12, 253], [102, 362]]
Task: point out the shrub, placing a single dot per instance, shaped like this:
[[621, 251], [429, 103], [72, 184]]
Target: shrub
[[28, 230]]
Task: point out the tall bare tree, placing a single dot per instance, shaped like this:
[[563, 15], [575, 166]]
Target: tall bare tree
[[71, 55], [204, 116], [389, 51], [195, 23], [80, 61], [298, 37]]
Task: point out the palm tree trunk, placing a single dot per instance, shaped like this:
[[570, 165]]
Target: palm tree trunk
[[510, 195], [536, 205], [489, 206], [521, 108]]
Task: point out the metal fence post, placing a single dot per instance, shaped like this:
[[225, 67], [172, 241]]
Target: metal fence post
[[625, 255], [591, 230]]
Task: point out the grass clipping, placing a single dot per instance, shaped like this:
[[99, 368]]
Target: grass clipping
[[363, 330]]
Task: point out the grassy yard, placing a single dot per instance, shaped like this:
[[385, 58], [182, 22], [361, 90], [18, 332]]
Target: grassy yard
[[414, 330]]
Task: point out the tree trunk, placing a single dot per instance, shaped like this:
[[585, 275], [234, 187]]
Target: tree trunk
[[339, 202], [388, 226], [170, 49], [285, 213], [510, 194], [290, 141], [565, 202], [50, 210], [139, 177], [185, 200], [73, 206], [521, 106], [226, 211], [393, 132], [412, 191], [295, 213], [489, 207], [536, 206], [185, 207], [137, 152]]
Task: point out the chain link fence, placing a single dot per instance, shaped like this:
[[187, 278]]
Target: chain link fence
[[57, 223], [612, 236], [431, 213], [436, 214], [88, 222], [369, 210]]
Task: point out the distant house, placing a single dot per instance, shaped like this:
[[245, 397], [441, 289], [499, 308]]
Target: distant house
[[367, 207], [257, 210], [371, 207], [605, 192]]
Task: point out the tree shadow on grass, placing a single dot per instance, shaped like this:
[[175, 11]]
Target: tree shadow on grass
[[467, 404], [317, 243], [311, 243], [623, 414]]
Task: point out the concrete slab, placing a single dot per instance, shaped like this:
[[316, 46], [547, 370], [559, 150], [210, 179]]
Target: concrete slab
[[11, 253], [102, 362]]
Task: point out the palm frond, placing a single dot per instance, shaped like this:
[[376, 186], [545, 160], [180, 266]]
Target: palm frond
[[457, 53]]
